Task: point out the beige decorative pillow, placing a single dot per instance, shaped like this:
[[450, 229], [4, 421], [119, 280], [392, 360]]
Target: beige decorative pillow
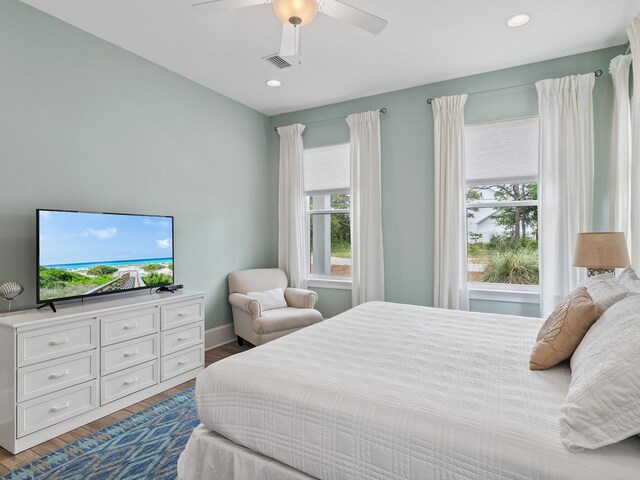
[[561, 334]]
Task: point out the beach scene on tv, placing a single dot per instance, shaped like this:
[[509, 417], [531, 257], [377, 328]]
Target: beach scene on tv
[[92, 253]]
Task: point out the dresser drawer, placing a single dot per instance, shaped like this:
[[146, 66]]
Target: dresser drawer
[[125, 326], [182, 337], [183, 313], [54, 342], [54, 408], [128, 354], [131, 380], [43, 378], [182, 362]]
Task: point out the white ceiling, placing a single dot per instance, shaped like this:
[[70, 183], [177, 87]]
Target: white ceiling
[[425, 41]]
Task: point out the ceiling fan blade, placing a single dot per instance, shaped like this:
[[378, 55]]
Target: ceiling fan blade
[[205, 7], [289, 42], [354, 16]]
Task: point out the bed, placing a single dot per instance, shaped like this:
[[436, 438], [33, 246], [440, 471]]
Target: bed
[[389, 391]]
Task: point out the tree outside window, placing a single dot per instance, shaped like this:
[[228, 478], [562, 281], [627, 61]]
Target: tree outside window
[[503, 233]]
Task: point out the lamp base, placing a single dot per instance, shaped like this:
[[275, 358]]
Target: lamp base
[[592, 272]]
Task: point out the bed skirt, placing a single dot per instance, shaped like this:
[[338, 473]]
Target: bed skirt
[[210, 456]]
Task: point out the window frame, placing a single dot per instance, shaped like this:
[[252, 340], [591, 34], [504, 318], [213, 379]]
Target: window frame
[[504, 292], [316, 279], [501, 292]]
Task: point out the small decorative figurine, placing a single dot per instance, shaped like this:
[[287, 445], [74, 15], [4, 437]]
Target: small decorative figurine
[[10, 291]]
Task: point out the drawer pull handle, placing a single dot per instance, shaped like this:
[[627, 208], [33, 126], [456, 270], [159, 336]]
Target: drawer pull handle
[[183, 361], [131, 326], [184, 337], [59, 341], [57, 408], [59, 374], [129, 381], [183, 314], [131, 353]]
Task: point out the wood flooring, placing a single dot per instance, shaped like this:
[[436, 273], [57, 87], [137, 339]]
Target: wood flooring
[[9, 462]]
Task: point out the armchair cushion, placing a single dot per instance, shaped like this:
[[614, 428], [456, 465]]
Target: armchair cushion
[[269, 299], [299, 298], [246, 304], [285, 319]]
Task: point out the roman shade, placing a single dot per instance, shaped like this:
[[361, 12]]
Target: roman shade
[[327, 170], [502, 152]]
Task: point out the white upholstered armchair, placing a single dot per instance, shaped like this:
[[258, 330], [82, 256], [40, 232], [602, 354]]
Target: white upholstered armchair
[[257, 325]]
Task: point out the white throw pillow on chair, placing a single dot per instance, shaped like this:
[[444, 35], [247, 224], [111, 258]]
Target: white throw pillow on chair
[[270, 299]]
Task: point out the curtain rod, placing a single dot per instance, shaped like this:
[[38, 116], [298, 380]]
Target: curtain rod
[[381, 110], [598, 73]]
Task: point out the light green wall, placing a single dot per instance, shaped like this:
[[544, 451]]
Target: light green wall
[[408, 165], [332, 301], [86, 125]]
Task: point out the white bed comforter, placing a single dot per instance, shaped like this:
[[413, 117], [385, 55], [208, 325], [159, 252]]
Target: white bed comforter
[[388, 391]]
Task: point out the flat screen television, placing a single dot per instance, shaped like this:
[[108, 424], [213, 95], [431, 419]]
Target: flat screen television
[[83, 254]]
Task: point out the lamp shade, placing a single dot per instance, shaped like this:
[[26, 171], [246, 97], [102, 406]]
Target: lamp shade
[[296, 12], [601, 250]]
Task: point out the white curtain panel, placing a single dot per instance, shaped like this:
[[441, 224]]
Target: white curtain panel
[[566, 181], [634, 172], [450, 262], [291, 208], [366, 208], [620, 207]]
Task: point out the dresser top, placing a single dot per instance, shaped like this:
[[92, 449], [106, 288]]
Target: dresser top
[[92, 306]]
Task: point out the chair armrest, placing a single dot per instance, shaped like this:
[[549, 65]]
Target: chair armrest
[[246, 304], [299, 298]]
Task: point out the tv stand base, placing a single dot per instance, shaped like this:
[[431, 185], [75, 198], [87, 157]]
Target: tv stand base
[[50, 304], [169, 288]]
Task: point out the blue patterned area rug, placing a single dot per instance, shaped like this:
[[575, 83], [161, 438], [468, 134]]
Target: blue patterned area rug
[[145, 445]]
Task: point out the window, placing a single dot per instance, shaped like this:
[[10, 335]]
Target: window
[[327, 184], [502, 202]]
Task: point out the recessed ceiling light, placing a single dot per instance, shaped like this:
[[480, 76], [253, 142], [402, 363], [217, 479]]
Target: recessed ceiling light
[[273, 83], [518, 20]]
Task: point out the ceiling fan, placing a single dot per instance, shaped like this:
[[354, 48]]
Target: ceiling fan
[[298, 13]]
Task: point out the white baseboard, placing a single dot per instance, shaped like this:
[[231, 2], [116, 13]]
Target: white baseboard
[[217, 336]]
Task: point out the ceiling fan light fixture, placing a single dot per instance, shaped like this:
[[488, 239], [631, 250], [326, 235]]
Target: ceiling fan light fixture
[[296, 12]]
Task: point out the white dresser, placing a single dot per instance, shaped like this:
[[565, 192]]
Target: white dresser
[[59, 371]]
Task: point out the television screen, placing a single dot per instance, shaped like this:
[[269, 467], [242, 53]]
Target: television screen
[[83, 254]]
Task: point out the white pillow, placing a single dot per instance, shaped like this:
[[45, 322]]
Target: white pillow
[[269, 300], [605, 291], [596, 278], [629, 280], [603, 403]]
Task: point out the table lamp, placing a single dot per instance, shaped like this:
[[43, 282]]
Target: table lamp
[[601, 252]]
